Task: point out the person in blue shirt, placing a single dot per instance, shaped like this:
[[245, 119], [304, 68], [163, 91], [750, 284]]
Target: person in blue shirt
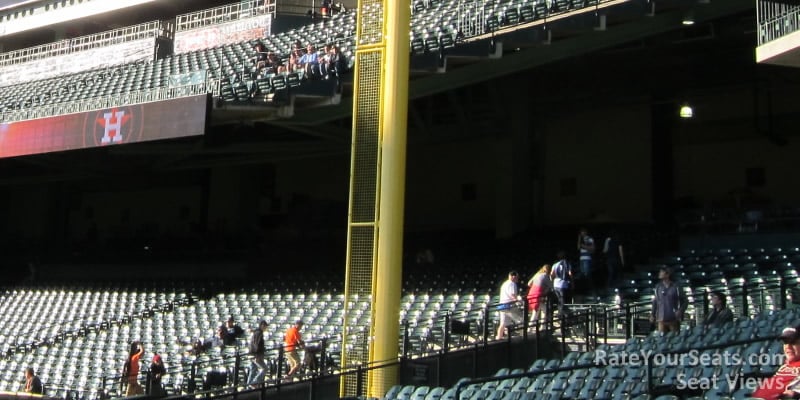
[[310, 62]]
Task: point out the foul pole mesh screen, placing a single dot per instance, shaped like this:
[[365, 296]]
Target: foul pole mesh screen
[[362, 231]]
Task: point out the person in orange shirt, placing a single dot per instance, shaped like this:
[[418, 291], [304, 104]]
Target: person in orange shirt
[[130, 371], [293, 341]]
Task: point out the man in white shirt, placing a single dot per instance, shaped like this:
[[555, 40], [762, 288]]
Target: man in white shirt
[[509, 311]]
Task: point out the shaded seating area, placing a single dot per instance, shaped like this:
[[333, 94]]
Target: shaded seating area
[[608, 372]]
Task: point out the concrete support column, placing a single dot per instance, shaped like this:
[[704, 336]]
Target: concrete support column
[[224, 187], [59, 33], [513, 176]]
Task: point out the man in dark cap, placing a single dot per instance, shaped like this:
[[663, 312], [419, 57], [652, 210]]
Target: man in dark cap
[[232, 332], [785, 384]]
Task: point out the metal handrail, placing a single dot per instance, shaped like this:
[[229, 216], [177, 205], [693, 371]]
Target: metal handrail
[[776, 20], [473, 17], [222, 14], [601, 320], [233, 363]]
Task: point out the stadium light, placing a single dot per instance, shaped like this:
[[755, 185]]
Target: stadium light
[[688, 18], [686, 111]]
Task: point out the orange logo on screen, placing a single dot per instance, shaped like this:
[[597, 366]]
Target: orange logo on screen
[[113, 126], [112, 123]]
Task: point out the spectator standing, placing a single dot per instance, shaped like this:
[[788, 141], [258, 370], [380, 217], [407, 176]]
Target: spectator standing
[[157, 371], [538, 287], [669, 303], [293, 341], [509, 312], [561, 274], [130, 370], [585, 250], [720, 313], [257, 367], [615, 257], [33, 384], [784, 384]]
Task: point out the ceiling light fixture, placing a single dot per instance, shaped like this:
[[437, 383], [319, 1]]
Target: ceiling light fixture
[[686, 111]]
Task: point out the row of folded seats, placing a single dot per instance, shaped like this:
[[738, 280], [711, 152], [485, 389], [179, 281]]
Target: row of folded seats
[[438, 25], [430, 43], [500, 13], [523, 11], [727, 272], [709, 255]]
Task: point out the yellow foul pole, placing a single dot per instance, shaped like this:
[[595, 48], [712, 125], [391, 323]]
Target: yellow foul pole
[[377, 195], [388, 280]]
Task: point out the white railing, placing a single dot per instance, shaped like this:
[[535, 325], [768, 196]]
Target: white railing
[[147, 30], [187, 78], [472, 18], [117, 100], [776, 19], [226, 13]]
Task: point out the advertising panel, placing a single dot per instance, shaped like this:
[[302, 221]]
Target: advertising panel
[[73, 63], [166, 119], [224, 33]]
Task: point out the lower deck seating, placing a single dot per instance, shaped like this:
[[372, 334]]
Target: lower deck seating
[[83, 358], [614, 378]]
